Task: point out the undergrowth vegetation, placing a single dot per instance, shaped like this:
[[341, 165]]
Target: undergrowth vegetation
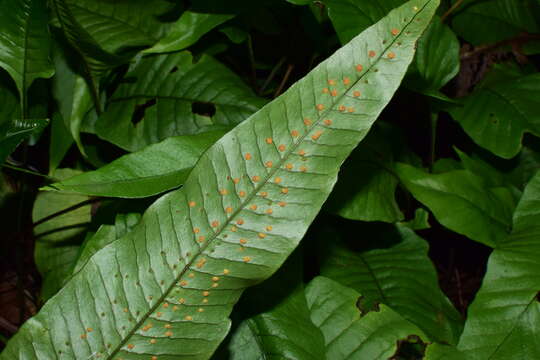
[[273, 179]]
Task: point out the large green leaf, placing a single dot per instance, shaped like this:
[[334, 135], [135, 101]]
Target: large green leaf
[[155, 169], [437, 58], [399, 275], [367, 185], [497, 115], [187, 30], [166, 289], [73, 96], [60, 142], [58, 239], [106, 234], [350, 17], [352, 332], [503, 320], [463, 202], [13, 132], [281, 326], [178, 86], [120, 25], [94, 60], [481, 22], [25, 42], [528, 165]]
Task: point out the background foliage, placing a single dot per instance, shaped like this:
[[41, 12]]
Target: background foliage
[[428, 242]]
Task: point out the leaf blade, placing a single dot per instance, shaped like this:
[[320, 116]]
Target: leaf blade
[[509, 291], [25, 54], [156, 285], [155, 169]]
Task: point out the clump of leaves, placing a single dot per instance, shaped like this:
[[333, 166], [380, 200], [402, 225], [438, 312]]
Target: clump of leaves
[[186, 163]]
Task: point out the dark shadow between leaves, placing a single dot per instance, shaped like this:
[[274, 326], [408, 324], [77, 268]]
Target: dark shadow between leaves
[[366, 306], [203, 108], [138, 114], [410, 348]]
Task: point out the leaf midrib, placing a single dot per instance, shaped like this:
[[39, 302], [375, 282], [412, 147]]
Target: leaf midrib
[[254, 191]]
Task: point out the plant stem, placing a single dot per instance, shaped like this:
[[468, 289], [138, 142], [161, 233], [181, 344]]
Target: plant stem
[[252, 62], [451, 10], [518, 40], [272, 74], [284, 81], [26, 171]]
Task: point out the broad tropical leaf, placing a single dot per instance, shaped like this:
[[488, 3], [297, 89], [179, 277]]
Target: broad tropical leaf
[[178, 87], [463, 202], [351, 332], [436, 351], [484, 22], [166, 289], [13, 132], [61, 141], [399, 275], [25, 42], [58, 239], [94, 59], [73, 96], [155, 169], [367, 183], [187, 30], [281, 326], [497, 115], [509, 292], [106, 234], [121, 25], [350, 17], [437, 57]]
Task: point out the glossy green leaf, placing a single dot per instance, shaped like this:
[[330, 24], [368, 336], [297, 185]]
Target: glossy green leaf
[[437, 57], [479, 167], [122, 25], [350, 17], [73, 96], [155, 169], [58, 239], [105, 235], [93, 59], [25, 42], [61, 141], [13, 132], [463, 202], [503, 319], [281, 326], [366, 186], [485, 22], [497, 115], [187, 31], [437, 351], [399, 275], [528, 165], [351, 333], [182, 91], [208, 240]]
